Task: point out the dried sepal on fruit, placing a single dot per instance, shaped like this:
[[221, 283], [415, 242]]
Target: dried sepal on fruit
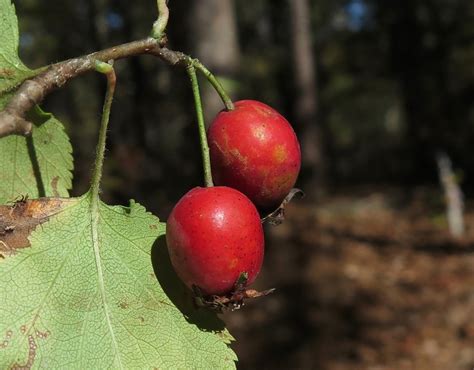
[[233, 300], [277, 217]]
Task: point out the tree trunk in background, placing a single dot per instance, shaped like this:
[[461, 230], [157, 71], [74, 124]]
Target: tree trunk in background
[[306, 104], [424, 74], [215, 43]]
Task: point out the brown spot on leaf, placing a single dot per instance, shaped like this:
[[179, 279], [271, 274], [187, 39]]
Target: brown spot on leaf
[[7, 72], [17, 221], [54, 186], [31, 356], [42, 334], [6, 340], [153, 227], [123, 305]]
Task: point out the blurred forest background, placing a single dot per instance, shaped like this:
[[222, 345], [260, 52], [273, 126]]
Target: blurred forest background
[[367, 275]]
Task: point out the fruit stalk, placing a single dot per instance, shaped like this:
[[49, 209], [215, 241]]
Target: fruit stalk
[[202, 128], [255, 150], [229, 105]]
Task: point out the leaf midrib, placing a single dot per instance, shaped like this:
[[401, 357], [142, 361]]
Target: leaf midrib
[[95, 216]]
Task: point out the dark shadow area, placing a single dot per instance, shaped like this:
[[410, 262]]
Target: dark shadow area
[[178, 293], [35, 165], [39, 120], [446, 247]]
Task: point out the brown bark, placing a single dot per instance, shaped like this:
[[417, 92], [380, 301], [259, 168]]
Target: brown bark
[[33, 91]]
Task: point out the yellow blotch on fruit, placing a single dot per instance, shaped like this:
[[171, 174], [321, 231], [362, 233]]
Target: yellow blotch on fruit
[[233, 263], [280, 153]]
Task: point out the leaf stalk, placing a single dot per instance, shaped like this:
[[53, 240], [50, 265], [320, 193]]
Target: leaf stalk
[[109, 72]]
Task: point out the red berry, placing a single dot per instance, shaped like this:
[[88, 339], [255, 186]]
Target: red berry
[[255, 150], [213, 235]]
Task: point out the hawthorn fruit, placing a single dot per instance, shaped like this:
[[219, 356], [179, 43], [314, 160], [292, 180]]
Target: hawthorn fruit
[[254, 149], [214, 235]]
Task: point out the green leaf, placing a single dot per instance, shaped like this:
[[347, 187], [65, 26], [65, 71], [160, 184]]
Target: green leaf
[[86, 295], [40, 165], [12, 69]]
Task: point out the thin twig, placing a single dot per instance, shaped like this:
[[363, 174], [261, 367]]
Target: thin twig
[[33, 91], [160, 24]]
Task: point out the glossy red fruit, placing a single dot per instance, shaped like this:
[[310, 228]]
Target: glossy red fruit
[[255, 150], [213, 235]]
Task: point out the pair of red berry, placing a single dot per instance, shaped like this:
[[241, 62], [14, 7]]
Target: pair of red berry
[[214, 234]]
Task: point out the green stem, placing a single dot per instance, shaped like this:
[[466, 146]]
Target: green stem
[[160, 24], [109, 72], [202, 128], [215, 83]]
